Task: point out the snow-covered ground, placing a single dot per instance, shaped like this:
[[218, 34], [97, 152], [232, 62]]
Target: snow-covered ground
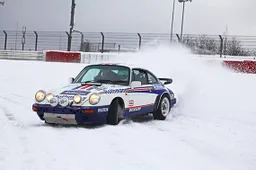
[[212, 127]]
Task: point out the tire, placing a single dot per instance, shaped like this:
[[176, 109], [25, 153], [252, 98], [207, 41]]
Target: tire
[[163, 108], [115, 111]]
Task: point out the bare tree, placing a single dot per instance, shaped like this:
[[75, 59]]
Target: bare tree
[[234, 48]]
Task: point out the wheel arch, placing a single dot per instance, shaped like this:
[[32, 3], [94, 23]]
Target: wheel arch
[[120, 101], [159, 97]]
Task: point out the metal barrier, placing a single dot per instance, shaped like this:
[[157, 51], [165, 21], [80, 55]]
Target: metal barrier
[[21, 55], [237, 63], [105, 42]]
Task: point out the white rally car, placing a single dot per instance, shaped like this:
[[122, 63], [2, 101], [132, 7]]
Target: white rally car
[[106, 93]]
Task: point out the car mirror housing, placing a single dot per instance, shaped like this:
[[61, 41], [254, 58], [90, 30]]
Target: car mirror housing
[[71, 80], [135, 84]]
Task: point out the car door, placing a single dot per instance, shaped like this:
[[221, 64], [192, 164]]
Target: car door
[[141, 100]]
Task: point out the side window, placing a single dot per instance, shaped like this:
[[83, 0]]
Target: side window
[[139, 75], [151, 79]]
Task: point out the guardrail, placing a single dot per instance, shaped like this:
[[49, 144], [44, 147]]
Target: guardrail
[[238, 63], [22, 55]]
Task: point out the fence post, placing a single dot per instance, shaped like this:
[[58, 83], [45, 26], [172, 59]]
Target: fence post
[[139, 40], [36, 40], [103, 41], [5, 40], [221, 46], [23, 40], [69, 44], [119, 48], [178, 37]]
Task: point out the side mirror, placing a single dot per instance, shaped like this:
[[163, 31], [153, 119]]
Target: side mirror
[[135, 84], [71, 80]]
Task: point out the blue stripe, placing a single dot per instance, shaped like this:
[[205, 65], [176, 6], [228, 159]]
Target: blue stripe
[[77, 87], [99, 116]]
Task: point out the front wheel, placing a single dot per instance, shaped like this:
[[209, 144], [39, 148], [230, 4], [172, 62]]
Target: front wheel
[[163, 108], [114, 113]]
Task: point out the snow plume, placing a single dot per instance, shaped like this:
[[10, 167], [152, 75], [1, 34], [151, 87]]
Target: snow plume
[[203, 87], [212, 127]]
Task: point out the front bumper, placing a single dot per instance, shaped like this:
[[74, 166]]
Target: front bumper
[[71, 115]]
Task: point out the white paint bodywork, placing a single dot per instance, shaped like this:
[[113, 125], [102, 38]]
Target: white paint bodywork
[[135, 97], [107, 92]]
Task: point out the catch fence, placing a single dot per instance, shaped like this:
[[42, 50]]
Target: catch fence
[[125, 42]]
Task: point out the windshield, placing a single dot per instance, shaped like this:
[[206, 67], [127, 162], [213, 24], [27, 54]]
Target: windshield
[[104, 74]]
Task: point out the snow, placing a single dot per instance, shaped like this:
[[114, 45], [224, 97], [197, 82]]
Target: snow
[[212, 127]]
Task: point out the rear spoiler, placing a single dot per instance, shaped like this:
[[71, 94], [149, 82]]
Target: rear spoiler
[[166, 80]]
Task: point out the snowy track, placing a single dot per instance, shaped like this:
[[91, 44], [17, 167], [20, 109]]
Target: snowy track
[[212, 127]]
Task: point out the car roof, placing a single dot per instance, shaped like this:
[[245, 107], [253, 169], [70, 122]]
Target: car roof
[[120, 64]]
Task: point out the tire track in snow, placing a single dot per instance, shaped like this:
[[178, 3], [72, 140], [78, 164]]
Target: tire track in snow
[[11, 118], [218, 136], [8, 114]]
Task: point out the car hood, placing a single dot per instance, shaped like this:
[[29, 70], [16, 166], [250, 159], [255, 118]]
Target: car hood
[[83, 90]]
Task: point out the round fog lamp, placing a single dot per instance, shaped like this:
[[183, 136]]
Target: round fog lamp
[[40, 96], [77, 99], [64, 102], [49, 96], [54, 101], [94, 99]]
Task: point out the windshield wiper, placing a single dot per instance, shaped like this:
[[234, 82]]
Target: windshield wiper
[[120, 82], [112, 81], [91, 82]]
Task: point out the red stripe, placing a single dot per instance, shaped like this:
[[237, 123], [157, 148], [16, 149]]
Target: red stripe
[[139, 89], [85, 87], [140, 106]]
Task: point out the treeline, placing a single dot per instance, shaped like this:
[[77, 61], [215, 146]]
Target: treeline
[[212, 45]]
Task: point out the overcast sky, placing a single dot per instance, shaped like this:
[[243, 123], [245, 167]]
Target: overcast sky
[[201, 17]]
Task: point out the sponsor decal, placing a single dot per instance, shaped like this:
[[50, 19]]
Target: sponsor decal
[[158, 87], [140, 89], [135, 109], [66, 96], [99, 88], [131, 103], [68, 92], [100, 110], [113, 91]]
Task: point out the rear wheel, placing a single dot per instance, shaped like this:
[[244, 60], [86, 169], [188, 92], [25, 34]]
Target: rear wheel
[[163, 108], [115, 112]]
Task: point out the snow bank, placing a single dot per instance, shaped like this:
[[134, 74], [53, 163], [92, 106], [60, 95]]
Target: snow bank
[[212, 127]]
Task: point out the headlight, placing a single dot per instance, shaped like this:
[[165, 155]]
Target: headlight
[[49, 96], [77, 99], [40, 96], [94, 99]]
